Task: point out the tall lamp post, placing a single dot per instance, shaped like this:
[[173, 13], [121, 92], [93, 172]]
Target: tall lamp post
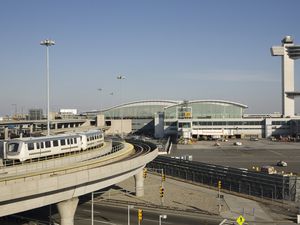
[[100, 90], [121, 111], [48, 43], [15, 105], [162, 217]]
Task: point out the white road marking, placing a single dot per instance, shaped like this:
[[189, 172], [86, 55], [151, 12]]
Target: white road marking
[[98, 221]]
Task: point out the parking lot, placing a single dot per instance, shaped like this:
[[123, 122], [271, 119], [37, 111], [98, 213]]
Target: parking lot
[[250, 154]]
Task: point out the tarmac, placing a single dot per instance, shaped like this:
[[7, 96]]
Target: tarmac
[[193, 198]]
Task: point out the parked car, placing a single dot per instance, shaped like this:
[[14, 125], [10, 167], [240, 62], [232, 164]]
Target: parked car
[[268, 169], [282, 163], [237, 143]]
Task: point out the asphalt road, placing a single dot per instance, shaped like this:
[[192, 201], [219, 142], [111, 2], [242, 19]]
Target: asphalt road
[[251, 153], [105, 214], [118, 215]]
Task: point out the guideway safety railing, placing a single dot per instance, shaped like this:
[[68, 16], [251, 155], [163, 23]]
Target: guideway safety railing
[[80, 156], [269, 186]]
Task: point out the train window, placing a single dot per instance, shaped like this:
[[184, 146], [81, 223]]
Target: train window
[[30, 146], [75, 140], [48, 144], [42, 144], [68, 141], [63, 142], [71, 141], [37, 145], [55, 143], [13, 147]]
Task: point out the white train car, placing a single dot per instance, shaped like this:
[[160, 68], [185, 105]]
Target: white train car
[[92, 139], [40, 147]]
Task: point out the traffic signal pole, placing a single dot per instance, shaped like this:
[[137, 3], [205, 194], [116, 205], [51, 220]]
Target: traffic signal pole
[[219, 195], [140, 216]]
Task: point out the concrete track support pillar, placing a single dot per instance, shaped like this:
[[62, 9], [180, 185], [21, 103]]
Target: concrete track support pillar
[[31, 128], [139, 184], [67, 210], [5, 133]]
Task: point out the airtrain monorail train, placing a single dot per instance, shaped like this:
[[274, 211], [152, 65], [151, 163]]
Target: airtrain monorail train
[[31, 148]]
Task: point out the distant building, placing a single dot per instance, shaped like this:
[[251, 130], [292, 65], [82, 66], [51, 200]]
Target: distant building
[[35, 114], [216, 118], [199, 119], [67, 113]]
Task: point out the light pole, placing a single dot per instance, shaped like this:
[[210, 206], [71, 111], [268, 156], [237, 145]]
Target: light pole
[[129, 207], [121, 111], [100, 90], [92, 209], [15, 106], [48, 43], [162, 217]]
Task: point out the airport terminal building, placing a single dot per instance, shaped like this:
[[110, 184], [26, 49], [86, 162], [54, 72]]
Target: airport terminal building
[[217, 118], [199, 119]]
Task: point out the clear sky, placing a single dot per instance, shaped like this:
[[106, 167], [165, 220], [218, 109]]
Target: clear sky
[[166, 49]]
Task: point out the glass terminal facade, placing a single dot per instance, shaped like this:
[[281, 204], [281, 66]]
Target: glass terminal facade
[[197, 119]]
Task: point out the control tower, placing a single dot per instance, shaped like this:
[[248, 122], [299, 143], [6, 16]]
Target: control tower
[[288, 52]]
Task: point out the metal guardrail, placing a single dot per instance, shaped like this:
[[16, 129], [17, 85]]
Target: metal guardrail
[[54, 171], [115, 147], [23, 168], [270, 186], [145, 144]]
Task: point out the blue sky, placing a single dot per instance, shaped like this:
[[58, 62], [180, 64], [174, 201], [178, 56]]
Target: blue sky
[[167, 49]]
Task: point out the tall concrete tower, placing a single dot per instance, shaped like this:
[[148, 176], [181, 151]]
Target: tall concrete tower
[[288, 52]]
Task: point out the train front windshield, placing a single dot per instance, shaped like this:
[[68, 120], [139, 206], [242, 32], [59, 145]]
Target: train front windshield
[[13, 148]]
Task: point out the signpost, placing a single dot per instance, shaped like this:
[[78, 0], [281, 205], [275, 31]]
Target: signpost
[[240, 220]]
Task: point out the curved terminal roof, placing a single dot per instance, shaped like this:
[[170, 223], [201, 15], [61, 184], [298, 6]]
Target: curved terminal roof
[[176, 109], [202, 109], [213, 102], [164, 103], [138, 109]]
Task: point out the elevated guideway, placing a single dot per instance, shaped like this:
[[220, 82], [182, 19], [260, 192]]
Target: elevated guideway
[[61, 183]]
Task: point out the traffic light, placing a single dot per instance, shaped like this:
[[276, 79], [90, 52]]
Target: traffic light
[[145, 172], [161, 191], [163, 177], [140, 214], [219, 184]]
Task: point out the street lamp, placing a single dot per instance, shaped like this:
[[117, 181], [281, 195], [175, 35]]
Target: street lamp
[[92, 209], [100, 89], [121, 111], [48, 43], [15, 105], [162, 217], [129, 207]]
